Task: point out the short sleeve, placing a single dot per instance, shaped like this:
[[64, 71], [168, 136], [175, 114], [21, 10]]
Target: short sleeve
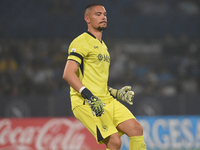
[[77, 51]]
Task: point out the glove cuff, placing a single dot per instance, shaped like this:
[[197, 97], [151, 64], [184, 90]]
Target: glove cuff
[[113, 92], [87, 94], [81, 89]]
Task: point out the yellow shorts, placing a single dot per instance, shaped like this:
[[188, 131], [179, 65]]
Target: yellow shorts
[[104, 126]]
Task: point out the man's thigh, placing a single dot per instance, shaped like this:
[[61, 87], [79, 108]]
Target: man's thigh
[[100, 127], [121, 113]]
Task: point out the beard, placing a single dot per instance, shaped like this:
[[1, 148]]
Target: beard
[[101, 28]]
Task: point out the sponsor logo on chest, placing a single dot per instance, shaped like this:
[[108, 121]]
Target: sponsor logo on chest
[[104, 57]]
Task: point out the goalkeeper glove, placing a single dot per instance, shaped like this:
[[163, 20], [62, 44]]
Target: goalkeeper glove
[[125, 94], [95, 103]]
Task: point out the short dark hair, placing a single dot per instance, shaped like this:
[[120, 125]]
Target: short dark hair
[[92, 5]]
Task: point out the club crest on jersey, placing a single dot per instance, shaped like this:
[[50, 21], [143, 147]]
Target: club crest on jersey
[[73, 50], [104, 128]]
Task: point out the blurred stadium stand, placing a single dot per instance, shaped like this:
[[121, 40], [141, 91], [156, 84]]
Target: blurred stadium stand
[[154, 46]]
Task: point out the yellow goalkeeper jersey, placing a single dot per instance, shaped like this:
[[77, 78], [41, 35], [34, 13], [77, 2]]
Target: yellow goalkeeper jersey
[[94, 60]]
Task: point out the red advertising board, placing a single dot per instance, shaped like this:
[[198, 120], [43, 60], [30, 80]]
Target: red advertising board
[[46, 134]]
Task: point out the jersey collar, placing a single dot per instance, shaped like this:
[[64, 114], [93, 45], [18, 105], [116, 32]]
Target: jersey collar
[[92, 35]]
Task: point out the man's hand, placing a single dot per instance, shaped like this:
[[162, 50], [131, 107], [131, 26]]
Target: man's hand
[[125, 94], [95, 103]]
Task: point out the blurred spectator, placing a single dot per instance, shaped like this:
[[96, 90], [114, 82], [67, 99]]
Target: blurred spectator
[[8, 64], [183, 45], [153, 7], [141, 69], [170, 46], [188, 7], [151, 76], [189, 86], [118, 68], [165, 76], [6, 83], [24, 85], [168, 90], [138, 88]]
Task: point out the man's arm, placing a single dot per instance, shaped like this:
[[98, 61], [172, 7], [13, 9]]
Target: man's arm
[[70, 76], [72, 79]]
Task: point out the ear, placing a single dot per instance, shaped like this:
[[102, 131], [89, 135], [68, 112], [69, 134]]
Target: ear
[[87, 19]]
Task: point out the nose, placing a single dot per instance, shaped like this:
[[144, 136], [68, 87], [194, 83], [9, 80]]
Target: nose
[[104, 17]]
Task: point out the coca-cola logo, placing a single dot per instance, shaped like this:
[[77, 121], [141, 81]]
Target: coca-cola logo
[[54, 134]]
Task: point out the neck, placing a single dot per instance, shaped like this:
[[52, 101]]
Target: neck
[[96, 33]]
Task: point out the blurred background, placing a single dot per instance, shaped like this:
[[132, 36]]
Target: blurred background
[[154, 47]]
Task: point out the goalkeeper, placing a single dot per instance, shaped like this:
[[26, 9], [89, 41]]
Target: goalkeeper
[[93, 102]]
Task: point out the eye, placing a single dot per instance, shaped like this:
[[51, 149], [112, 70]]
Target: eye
[[98, 14]]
